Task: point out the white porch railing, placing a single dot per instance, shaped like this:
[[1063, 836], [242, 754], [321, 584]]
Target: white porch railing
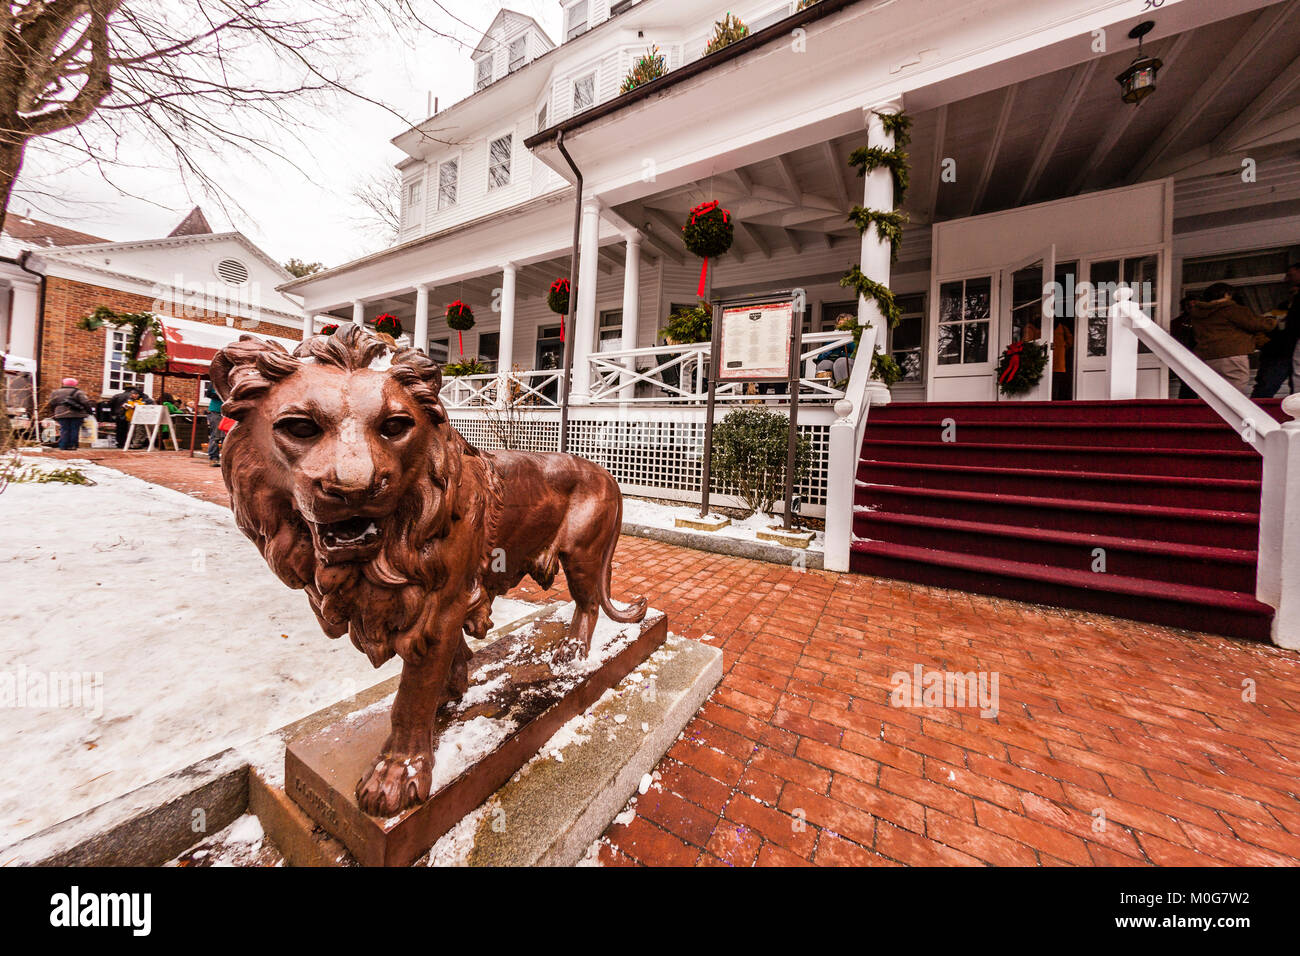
[[678, 374], [1278, 578], [533, 389]]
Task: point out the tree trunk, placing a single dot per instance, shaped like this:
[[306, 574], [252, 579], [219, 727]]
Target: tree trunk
[[11, 161]]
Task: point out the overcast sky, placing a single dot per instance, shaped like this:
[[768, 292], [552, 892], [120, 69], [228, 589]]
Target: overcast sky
[[290, 214]]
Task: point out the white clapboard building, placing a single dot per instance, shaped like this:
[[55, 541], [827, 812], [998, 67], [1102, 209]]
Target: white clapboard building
[[1032, 176]]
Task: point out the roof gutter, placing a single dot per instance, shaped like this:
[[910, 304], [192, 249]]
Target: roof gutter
[[780, 29], [573, 293]]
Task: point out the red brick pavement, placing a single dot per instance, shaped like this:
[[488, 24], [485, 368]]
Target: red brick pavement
[[1116, 743]]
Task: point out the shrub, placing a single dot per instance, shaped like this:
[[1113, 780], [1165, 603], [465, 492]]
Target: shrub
[[690, 325], [749, 452], [726, 32], [466, 366], [645, 68]]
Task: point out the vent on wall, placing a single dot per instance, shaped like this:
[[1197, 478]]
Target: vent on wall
[[232, 271]]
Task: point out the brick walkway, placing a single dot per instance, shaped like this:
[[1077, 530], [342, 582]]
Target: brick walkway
[[1115, 743]]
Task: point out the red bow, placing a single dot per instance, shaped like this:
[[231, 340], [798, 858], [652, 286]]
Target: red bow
[[1013, 362]]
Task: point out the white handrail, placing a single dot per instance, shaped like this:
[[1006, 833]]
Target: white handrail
[[1129, 325], [1277, 576]]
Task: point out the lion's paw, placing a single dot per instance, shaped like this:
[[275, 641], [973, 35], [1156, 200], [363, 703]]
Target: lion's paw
[[394, 783]]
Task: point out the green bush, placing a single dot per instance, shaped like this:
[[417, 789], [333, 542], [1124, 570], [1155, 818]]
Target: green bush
[[691, 325], [466, 366], [749, 452], [645, 68], [726, 32]]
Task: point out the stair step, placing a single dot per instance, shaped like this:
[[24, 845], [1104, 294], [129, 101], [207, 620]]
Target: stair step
[[1178, 605], [1149, 461], [1230, 529], [1170, 435], [1231, 569], [1226, 494], [1141, 410]]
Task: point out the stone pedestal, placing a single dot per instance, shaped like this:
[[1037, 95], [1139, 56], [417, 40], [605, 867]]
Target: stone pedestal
[[519, 698]]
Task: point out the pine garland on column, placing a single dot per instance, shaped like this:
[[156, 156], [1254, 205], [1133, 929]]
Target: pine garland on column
[[888, 223]]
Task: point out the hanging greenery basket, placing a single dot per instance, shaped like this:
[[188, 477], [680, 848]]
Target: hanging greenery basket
[[389, 325], [460, 316], [649, 67], [329, 329], [557, 300], [708, 233], [1021, 367], [140, 324], [726, 32]]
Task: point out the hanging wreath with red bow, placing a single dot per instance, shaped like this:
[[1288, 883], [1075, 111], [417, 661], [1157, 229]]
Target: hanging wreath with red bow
[[708, 234], [1021, 367], [461, 318], [557, 300], [389, 324], [329, 329]]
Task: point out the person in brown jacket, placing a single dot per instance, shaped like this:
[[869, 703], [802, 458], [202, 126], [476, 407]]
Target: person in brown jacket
[[1225, 334]]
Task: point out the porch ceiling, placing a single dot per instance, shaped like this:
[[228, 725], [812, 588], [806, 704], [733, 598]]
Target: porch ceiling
[[1228, 90]]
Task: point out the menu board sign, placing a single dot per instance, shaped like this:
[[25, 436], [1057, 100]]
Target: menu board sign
[[755, 341]]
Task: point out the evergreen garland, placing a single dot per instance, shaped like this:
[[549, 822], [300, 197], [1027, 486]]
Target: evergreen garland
[[888, 224], [138, 323]]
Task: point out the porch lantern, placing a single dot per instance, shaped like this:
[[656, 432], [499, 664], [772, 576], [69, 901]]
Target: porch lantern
[[1139, 80]]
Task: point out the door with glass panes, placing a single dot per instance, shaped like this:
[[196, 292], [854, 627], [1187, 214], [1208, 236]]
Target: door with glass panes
[[1026, 315], [1092, 302]]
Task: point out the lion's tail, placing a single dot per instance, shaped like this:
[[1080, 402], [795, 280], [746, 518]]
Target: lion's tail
[[632, 613]]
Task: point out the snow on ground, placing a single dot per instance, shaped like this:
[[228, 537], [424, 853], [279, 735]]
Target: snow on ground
[[141, 632], [652, 514]]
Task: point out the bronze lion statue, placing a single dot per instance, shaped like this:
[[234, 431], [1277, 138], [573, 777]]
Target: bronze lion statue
[[345, 472]]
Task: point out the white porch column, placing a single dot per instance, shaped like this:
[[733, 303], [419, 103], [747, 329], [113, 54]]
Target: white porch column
[[23, 319], [1278, 582], [420, 337], [308, 325], [358, 312], [506, 348], [631, 306], [584, 321], [877, 255]]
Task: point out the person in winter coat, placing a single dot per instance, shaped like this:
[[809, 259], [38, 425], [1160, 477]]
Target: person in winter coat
[[69, 406], [1278, 359], [1225, 334], [121, 404]]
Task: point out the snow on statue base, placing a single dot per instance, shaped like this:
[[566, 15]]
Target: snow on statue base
[[524, 688]]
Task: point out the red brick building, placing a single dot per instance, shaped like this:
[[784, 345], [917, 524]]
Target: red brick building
[[206, 287]]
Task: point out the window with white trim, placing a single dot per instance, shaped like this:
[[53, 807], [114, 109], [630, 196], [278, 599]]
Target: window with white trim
[[499, 155], [575, 20], [414, 194], [584, 92], [518, 53], [767, 19], [448, 183], [116, 375], [483, 73]]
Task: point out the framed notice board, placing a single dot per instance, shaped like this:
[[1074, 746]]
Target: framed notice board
[[756, 339]]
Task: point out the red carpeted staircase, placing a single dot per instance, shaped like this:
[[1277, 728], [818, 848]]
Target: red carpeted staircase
[[1019, 504]]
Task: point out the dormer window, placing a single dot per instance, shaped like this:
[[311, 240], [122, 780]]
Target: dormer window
[[483, 73], [584, 92], [518, 53], [575, 19]]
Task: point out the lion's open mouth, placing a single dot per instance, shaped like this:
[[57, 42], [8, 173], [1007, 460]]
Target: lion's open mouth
[[351, 538]]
